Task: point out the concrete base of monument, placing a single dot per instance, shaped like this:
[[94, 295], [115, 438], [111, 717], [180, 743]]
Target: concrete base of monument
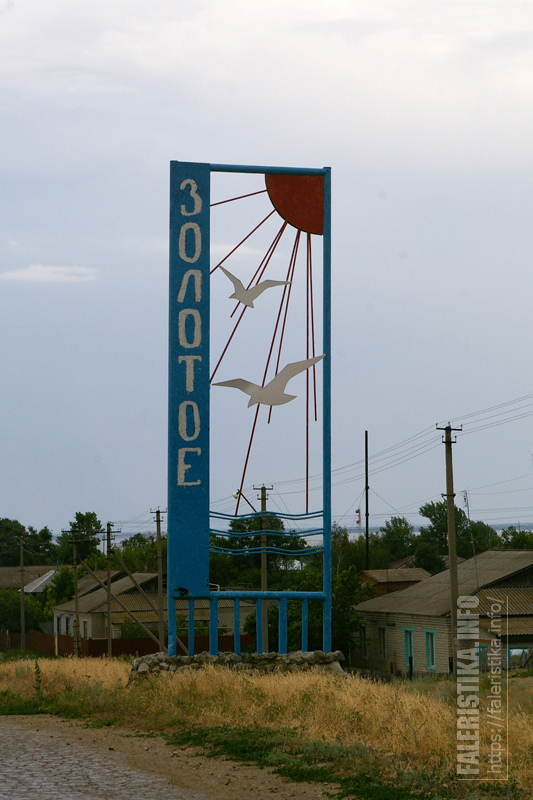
[[249, 662]]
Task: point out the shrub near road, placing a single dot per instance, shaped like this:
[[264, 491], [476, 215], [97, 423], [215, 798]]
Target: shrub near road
[[375, 741]]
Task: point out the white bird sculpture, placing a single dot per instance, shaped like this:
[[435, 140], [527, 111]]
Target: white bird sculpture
[[247, 296], [273, 394]]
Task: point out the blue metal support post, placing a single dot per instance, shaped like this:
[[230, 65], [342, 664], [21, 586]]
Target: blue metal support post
[[326, 453]]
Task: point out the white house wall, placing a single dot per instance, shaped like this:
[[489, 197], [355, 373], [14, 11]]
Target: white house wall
[[394, 626]]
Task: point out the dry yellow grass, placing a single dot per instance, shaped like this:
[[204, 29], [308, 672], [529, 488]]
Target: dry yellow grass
[[19, 676], [391, 719]]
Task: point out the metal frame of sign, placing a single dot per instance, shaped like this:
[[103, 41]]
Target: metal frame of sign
[[188, 410]]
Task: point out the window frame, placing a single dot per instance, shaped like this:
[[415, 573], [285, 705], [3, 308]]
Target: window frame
[[382, 637], [408, 636], [431, 636], [482, 656], [362, 641]]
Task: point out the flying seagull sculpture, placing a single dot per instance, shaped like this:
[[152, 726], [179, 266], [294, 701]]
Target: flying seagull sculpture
[[247, 296], [273, 394]]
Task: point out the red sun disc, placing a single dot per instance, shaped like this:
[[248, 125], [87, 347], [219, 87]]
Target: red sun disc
[[299, 199]]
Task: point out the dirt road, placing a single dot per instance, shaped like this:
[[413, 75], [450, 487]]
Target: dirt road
[[64, 760]]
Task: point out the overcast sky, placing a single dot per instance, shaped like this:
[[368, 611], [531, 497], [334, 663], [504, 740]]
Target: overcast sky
[[424, 111]]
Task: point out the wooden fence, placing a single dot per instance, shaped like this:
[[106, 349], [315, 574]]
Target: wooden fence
[[48, 644]]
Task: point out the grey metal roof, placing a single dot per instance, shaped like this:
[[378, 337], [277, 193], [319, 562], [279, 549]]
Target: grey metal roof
[[518, 626], [515, 600], [40, 584], [432, 596], [397, 575], [89, 602], [134, 601], [125, 584], [10, 576], [88, 583]]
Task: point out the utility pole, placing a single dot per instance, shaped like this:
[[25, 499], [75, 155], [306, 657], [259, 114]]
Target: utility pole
[[22, 610], [264, 579], [367, 549], [108, 586], [264, 567], [467, 504], [452, 549], [109, 531], [160, 604], [76, 626]]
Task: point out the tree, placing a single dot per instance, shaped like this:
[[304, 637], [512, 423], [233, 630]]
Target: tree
[[398, 536], [40, 546], [344, 552], [131, 630], [471, 537], [245, 543], [87, 528], [437, 530], [484, 536], [139, 552], [224, 569], [346, 593], [428, 557], [244, 568], [515, 539], [61, 588], [96, 560], [11, 532], [10, 611]]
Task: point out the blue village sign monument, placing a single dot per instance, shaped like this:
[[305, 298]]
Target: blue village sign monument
[[301, 197]]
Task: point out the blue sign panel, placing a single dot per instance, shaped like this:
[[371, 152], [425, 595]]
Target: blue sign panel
[[302, 198], [188, 438]]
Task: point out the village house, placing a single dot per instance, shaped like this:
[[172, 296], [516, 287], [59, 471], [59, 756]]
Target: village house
[[410, 561], [33, 575], [92, 604], [89, 583], [414, 623], [384, 581]]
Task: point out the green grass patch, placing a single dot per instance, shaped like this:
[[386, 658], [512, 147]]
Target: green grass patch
[[357, 772], [12, 703], [68, 703], [353, 769], [20, 655], [105, 722]]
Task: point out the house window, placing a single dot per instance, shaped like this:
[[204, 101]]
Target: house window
[[67, 625], [431, 656], [85, 629], [58, 625], [408, 642], [382, 648], [482, 657], [362, 640]]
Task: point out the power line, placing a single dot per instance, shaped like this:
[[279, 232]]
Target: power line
[[493, 408]]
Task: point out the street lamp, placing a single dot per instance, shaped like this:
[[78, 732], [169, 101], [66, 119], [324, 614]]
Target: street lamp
[[238, 494]]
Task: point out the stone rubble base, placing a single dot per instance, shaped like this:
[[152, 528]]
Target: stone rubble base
[[247, 662]]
